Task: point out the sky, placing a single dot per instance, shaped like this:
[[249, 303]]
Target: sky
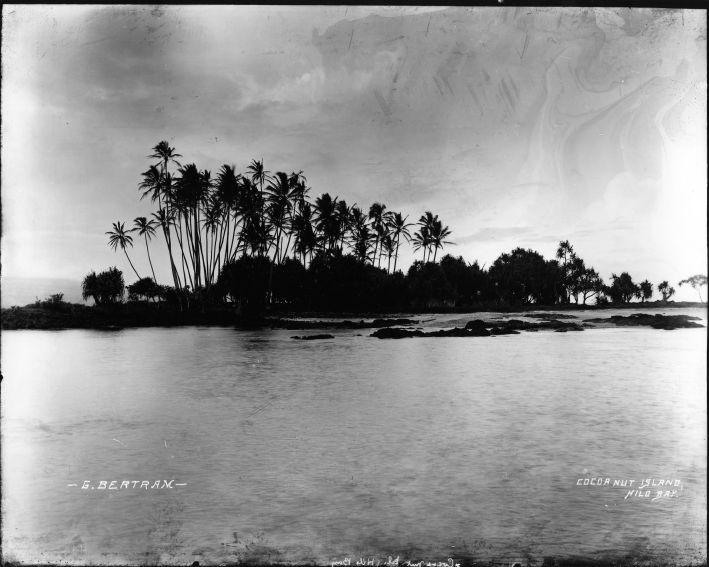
[[517, 126]]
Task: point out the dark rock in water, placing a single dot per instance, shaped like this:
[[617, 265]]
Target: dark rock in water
[[477, 324], [518, 325], [551, 325], [503, 331], [657, 321], [396, 333], [312, 337], [479, 328], [380, 323], [550, 316]]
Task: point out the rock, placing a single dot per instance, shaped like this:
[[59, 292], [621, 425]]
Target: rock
[[395, 333], [503, 331], [551, 316], [312, 337], [657, 321], [476, 324], [380, 323], [479, 328]]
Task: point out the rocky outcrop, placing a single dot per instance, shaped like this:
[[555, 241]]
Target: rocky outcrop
[[550, 316], [657, 321], [480, 328]]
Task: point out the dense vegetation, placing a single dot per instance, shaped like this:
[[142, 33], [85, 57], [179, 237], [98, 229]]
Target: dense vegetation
[[255, 239], [214, 228], [256, 242]]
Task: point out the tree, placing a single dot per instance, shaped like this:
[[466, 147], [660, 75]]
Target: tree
[[696, 281], [399, 227], [424, 237], [584, 281], [429, 287], [378, 218], [573, 276], [524, 276], [120, 237], [165, 153], [464, 279], [105, 288], [565, 253], [645, 291], [303, 232], [327, 222], [290, 283], [622, 290], [437, 233], [146, 229], [246, 280], [144, 287], [666, 291], [158, 184], [422, 240]]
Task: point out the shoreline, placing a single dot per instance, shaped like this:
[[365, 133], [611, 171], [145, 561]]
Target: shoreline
[[66, 316]]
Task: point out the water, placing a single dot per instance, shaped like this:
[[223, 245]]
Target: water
[[316, 451]]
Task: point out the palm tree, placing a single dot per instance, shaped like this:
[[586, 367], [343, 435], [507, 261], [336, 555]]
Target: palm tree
[[259, 175], [192, 193], [376, 215], [152, 184], [283, 191], [421, 240], [250, 207], [163, 152], [437, 233], [298, 192], [565, 252], [302, 228], [165, 221], [120, 237], [326, 221], [158, 185], [146, 229], [227, 195], [343, 214], [387, 247], [362, 241], [399, 227]]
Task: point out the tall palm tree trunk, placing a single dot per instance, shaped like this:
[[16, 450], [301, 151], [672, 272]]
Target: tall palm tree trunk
[[147, 249], [131, 263], [185, 273], [396, 255], [175, 273]]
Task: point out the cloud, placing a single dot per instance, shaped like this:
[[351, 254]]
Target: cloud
[[514, 125], [497, 233]]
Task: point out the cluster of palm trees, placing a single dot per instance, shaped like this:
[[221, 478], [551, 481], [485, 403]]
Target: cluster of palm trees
[[209, 222]]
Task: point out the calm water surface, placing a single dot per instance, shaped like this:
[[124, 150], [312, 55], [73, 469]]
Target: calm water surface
[[354, 446]]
